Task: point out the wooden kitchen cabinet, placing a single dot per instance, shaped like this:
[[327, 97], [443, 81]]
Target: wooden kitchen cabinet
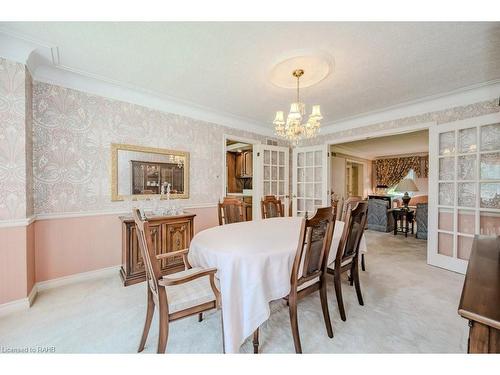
[[170, 233], [248, 162], [244, 164]]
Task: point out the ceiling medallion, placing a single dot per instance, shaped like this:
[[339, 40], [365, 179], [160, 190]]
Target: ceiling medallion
[[293, 129]]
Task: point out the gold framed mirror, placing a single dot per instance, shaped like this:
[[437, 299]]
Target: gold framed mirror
[[139, 172]]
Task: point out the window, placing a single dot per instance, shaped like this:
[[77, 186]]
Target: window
[[411, 174]]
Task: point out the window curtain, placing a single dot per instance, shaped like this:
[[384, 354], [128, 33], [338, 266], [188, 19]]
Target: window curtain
[[390, 171]]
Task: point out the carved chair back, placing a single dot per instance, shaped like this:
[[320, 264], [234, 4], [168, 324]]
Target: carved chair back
[[349, 203], [314, 245], [232, 210], [151, 265], [354, 226], [271, 207]]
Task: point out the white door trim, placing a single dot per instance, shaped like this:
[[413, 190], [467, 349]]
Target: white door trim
[[383, 133], [251, 141]]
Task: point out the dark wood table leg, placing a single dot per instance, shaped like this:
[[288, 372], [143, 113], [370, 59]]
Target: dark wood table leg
[[395, 224], [407, 228]]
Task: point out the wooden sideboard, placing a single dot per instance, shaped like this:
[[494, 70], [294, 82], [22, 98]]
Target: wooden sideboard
[[170, 233], [480, 301]]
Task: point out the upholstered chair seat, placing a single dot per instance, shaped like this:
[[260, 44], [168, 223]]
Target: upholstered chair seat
[[190, 294]]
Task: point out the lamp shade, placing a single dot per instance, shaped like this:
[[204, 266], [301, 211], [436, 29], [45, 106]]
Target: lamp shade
[[406, 185], [316, 113], [279, 119]]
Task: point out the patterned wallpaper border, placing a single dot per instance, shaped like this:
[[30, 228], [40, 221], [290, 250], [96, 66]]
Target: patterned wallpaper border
[[439, 117]]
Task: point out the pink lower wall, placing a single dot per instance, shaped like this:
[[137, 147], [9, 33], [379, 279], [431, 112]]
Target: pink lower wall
[[72, 245], [205, 218], [13, 272], [69, 246], [52, 248]]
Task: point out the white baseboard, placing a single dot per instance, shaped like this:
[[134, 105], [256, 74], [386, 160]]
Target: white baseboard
[[27, 302], [32, 295], [71, 279], [13, 306]]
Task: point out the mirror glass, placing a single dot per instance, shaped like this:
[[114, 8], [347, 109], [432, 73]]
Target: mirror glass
[[144, 172]]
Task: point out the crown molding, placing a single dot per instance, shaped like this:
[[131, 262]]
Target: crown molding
[[43, 62], [64, 76], [463, 96]]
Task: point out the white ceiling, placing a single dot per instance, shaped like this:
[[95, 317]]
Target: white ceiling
[[400, 144], [226, 66]]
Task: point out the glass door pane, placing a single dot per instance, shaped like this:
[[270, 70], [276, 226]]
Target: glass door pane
[[466, 186], [309, 179], [273, 173]]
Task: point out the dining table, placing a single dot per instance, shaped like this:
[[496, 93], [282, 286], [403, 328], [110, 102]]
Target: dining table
[[254, 263]]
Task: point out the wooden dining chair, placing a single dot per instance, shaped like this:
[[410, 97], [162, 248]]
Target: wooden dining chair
[[349, 203], [347, 256], [178, 295], [309, 269], [232, 210], [271, 206]]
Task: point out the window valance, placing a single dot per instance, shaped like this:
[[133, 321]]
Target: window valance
[[392, 170]]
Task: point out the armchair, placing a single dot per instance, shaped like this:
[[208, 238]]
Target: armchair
[[379, 216], [421, 220], [176, 296]]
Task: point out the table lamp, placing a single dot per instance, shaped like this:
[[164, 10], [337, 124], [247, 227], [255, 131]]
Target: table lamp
[[405, 186], [381, 188]]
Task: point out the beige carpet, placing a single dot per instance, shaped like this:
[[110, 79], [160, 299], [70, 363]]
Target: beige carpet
[[410, 307]]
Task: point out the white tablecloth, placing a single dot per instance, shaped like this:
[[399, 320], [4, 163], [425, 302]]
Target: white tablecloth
[[254, 261]]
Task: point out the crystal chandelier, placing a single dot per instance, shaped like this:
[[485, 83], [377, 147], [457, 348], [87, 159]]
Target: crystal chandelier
[[293, 129]]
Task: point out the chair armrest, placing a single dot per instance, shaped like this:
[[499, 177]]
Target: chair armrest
[[183, 252], [169, 281]]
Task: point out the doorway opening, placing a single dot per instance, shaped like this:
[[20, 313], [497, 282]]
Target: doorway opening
[[239, 171]]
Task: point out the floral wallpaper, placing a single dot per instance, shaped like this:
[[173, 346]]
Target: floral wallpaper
[[30, 204], [73, 131], [12, 141]]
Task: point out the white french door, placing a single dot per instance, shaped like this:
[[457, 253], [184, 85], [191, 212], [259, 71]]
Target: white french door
[[272, 169], [310, 179], [464, 188]]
